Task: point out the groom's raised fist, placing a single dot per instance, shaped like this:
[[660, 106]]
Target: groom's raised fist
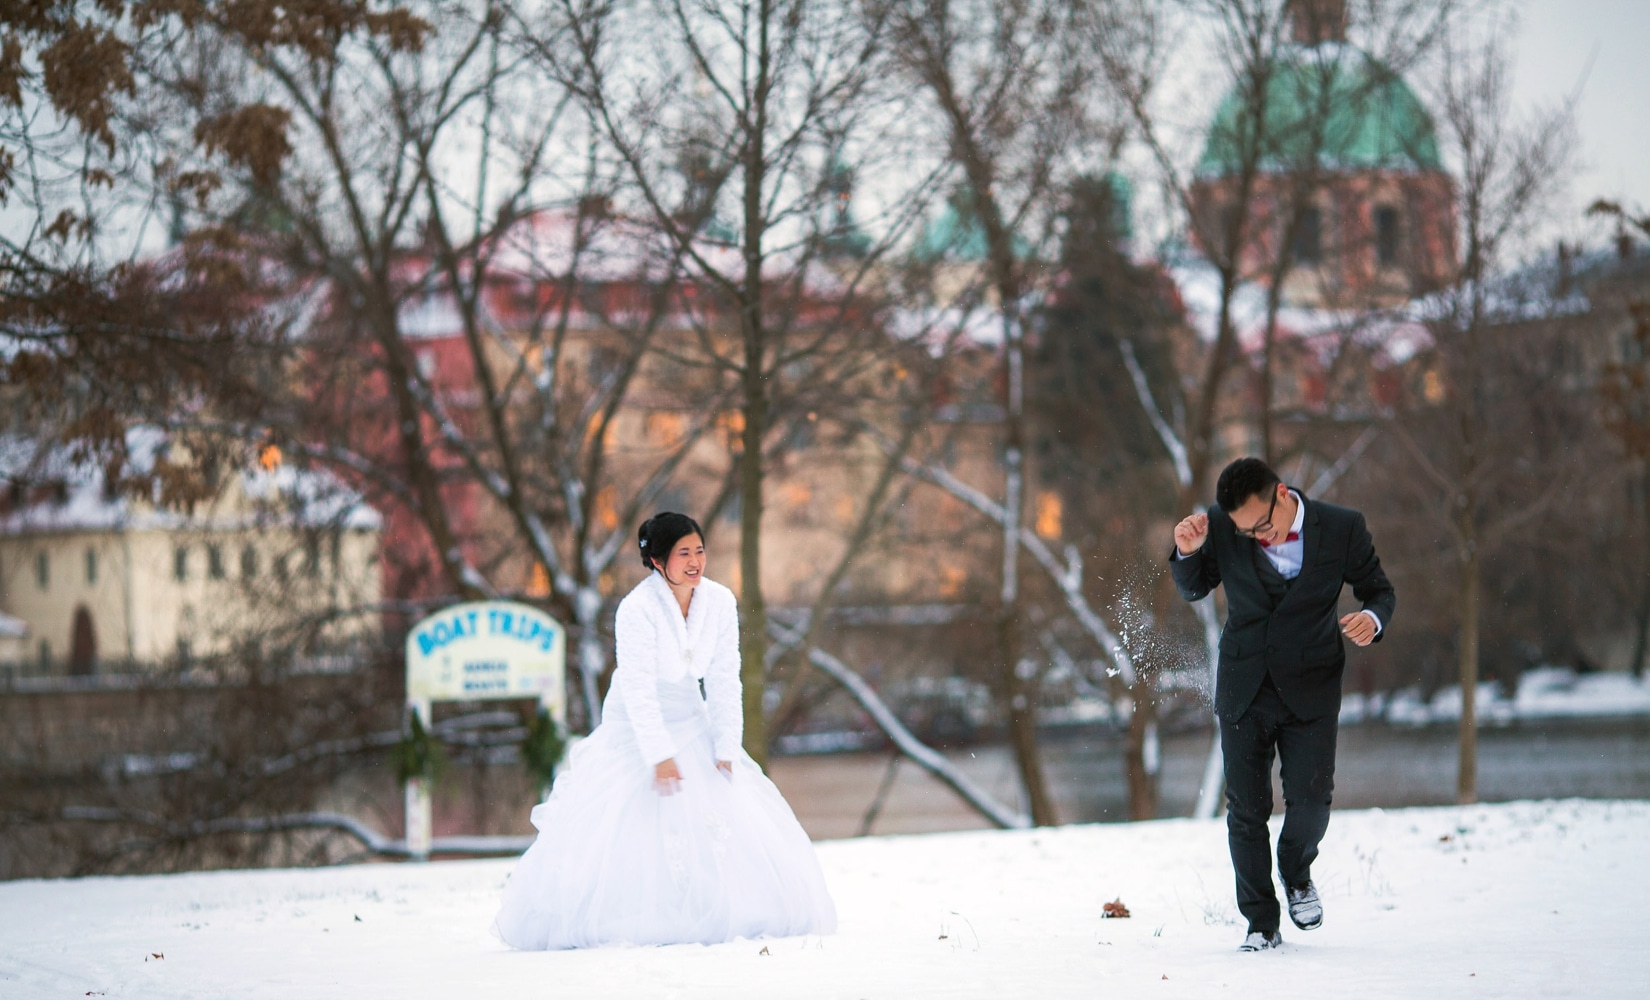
[[1190, 534]]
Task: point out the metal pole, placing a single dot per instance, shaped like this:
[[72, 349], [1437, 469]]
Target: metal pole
[[418, 809]]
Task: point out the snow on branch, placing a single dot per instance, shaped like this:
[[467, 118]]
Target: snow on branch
[[923, 755], [1327, 480], [1208, 796], [1067, 577], [1143, 389], [370, 838]]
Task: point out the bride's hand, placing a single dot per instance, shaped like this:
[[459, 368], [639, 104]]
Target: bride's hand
[[725, 766], [667, 780]]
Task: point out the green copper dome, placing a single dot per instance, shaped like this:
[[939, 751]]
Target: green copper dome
[[1369, 117], [958, 235]]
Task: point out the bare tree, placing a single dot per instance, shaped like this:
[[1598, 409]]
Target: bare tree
[[477, 316], [1275, 145], [437, 348], [734, 123], [1625, 387], [98, 336], [1508, 169], [1002, 81], [1133, 52]]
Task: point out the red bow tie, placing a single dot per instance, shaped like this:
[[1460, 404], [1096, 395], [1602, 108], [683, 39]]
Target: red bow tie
[[1293, 536]]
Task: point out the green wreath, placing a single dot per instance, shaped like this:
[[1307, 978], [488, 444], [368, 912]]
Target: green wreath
[[417, 755], [543, 748]]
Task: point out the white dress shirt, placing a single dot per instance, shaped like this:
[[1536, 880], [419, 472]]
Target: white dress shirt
[[1287, 557]]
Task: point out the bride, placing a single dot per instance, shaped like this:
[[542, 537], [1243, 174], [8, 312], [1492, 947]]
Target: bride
[[661, 829]]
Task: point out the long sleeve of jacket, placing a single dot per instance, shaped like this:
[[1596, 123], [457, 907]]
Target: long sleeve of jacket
[[1369, 583], [1197, 574], [724, 694], [636, 645]]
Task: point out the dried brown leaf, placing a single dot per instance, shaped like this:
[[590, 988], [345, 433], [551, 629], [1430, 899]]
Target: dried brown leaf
[[253, 137]]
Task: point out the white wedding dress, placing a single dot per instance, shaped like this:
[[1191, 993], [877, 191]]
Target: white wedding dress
[[616, 862]]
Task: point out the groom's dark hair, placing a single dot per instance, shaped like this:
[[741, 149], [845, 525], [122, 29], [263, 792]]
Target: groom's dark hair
[[660, 533], [1244, 478]]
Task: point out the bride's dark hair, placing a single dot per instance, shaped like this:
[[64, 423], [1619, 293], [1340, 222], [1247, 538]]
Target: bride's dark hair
[[660, 533]]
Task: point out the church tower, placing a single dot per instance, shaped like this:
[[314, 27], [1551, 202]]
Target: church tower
[[1349, 199]]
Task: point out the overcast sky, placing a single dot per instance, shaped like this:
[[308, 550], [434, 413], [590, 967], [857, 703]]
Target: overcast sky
[[1557, 40], [1596, 51]]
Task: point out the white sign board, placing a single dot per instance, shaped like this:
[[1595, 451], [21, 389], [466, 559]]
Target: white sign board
[[487, 649], [468, 652]]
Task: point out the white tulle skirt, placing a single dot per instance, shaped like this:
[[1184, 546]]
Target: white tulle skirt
[[615, 862]]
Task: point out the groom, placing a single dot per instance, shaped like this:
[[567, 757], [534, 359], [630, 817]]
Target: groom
[[1283, 559]]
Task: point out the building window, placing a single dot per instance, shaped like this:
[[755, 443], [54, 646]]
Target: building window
[[428, 364], [802, 434], [43, 570], [91, 566], [1631, 350], [83, 643], [1386, 236], [538, 585], [602, 363], [180, 563], [1432, 387], [249, 563], [1308, 243], [798, 500], [607, 508], [666, 429], [1049, 510], [214, 561]]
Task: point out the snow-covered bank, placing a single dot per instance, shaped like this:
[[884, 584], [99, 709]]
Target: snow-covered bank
[[1547, 693], [1519, 900]]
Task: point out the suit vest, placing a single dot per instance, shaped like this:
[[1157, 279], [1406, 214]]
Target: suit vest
[[1274, 582]]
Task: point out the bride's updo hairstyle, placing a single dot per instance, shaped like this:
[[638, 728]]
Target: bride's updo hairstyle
[[660, 533]]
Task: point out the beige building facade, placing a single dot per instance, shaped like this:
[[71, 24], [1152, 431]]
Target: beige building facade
[[97, 582]]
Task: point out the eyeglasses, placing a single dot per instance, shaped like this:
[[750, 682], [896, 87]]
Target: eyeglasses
[[1265, 525]]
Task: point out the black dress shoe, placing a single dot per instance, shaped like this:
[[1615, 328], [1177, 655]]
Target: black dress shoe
[[1261, 941], [1305, 909]]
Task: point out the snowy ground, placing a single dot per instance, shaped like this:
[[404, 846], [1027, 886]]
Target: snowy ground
[[1521, 900]]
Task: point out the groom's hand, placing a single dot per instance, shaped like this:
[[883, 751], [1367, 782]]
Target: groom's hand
[[1359, 627], [1190, 534]]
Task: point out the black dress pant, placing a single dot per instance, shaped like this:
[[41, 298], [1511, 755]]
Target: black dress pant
[[1307, 749]]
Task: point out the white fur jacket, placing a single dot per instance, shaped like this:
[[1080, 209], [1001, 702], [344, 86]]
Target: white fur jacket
[[656, 645]]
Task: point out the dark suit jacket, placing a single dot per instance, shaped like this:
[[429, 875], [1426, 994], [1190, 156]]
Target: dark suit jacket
[[1298, 639]]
